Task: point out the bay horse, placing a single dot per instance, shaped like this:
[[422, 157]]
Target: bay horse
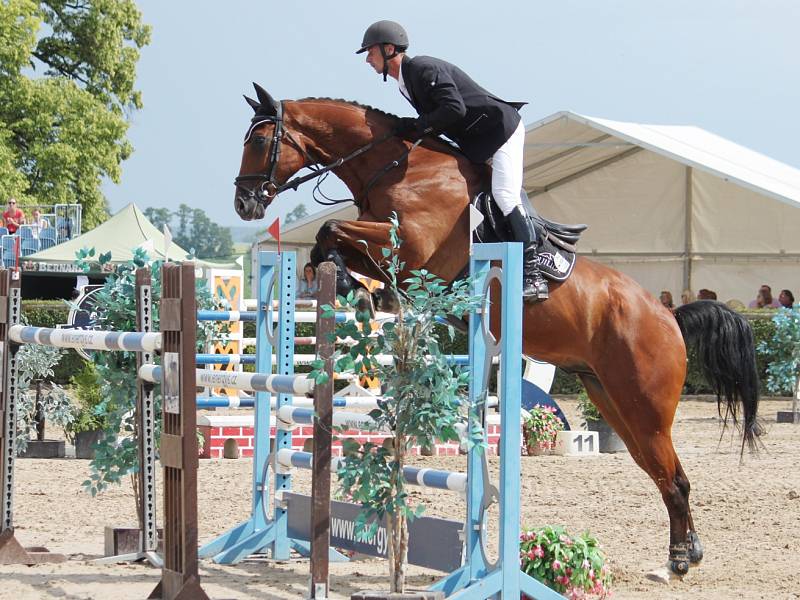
[[628, 350]]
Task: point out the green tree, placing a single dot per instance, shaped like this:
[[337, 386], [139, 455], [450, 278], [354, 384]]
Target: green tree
[[159, 217], [67, 74], [297, 213], [195, 232]]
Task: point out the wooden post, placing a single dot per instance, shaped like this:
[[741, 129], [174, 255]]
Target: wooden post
[[179, 452], [323, 423]]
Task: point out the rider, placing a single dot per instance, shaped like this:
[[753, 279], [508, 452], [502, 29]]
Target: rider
[[486, 128]]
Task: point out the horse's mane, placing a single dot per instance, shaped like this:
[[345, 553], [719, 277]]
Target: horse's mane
[[352, 103], [434, 143]]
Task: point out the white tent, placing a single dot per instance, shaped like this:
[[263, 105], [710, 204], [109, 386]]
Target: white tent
[[674, 207]]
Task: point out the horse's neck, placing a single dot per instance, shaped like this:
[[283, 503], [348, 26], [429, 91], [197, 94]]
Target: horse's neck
[[336, 130]]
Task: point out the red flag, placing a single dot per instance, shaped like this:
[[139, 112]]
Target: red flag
[[275, 231]]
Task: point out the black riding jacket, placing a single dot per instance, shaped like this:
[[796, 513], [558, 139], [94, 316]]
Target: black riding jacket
[[450, 102]]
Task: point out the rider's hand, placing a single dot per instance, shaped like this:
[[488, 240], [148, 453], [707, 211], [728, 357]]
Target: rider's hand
[[408, 127]]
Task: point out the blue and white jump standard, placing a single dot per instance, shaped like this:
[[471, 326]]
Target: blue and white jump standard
[[479, 578], [259, 533]]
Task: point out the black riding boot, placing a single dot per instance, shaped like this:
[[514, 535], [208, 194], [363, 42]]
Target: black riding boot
[[534, 286]]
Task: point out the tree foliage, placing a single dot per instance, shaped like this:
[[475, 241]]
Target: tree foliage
[[193, 231], [783, 351], [67, 75], [422, 401], [297, 213]]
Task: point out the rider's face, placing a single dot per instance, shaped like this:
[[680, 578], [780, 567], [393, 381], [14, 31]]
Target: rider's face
[[374, 58]]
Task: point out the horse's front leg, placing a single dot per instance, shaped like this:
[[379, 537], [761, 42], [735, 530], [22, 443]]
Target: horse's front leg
[[353, 245]]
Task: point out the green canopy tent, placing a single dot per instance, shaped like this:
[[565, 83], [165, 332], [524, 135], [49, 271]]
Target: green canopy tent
[[120, 235]]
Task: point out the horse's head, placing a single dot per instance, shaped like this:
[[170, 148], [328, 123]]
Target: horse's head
[[271, 155]]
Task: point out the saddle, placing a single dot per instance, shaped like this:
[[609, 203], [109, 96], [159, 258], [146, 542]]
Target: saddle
[[555, 241]]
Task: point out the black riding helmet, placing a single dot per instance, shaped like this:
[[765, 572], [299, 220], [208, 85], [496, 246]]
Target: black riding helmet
[[385, 32]]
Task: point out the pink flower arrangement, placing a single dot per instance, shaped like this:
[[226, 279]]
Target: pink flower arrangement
[[540, 428], [571, 565]]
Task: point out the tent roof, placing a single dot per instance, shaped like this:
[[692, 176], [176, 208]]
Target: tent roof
[[566, 145], [126, 230]]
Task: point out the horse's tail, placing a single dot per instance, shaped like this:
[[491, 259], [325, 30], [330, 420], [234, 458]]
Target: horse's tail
[[722, 340]]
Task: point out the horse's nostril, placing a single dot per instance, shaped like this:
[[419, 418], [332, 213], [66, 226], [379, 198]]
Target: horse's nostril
[[238, 204]]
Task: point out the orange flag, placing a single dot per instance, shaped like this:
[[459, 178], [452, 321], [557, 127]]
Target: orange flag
[[275, 231]]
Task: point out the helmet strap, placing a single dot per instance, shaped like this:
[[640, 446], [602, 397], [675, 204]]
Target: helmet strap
[[386, 59]]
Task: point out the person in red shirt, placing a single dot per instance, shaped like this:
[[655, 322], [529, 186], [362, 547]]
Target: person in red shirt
[[13, 217]]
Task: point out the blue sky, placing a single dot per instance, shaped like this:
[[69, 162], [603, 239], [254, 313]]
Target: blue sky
[[731, 67]]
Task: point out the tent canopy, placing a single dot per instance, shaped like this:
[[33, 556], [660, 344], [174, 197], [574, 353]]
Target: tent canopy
[[121, 234], [674, 207]]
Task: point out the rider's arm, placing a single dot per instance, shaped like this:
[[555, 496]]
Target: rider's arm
[[444, 94]]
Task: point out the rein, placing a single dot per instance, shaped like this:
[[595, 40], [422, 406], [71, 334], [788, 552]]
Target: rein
[[269, 188]]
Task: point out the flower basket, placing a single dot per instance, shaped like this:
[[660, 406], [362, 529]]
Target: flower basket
[[539, 430], [573, 566]]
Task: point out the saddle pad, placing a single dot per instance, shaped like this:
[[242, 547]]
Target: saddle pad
[[555, 263]]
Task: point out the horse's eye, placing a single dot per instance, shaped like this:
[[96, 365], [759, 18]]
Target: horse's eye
[[260, 139]]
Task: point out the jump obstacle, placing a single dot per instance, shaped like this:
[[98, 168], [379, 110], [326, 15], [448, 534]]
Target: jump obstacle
[[179, 575], [477, 577]]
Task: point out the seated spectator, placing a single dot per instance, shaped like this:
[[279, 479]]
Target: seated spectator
[[786, 299], [687, 297], [764, 298], [39, 222], [705, 294], [666, 300], [13, 216], [735, 304], [308, 283]]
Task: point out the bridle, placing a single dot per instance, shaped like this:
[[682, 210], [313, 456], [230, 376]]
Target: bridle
[[270, 188]]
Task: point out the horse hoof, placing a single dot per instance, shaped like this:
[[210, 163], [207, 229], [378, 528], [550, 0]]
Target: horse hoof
[[695, 548], [679, 567], [664, 574], [364, 302]]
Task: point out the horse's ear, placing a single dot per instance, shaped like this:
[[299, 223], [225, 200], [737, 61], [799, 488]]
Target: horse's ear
[[253, 103], [268, 103]]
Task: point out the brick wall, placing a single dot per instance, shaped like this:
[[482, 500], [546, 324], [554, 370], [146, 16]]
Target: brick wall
[[215, 438]]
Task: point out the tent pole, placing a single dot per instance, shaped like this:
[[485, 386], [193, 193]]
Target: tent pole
[[687, 233]]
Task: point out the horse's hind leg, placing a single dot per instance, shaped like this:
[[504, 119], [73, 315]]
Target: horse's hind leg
[[646, 433]]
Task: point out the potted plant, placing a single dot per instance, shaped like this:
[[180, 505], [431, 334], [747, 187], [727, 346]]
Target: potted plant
[[608, 439], [87, 426], [539, 430], [422, 401], [40, 400], [573, 566]]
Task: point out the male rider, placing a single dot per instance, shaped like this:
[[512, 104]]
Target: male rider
[[486, 128]]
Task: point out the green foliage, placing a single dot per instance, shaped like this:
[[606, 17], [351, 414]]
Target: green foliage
[[35, 366], [86, 385], [116, 451], [422, 398], [63, 126], [587, 408], [571, 565], [541, 427], [51, 313], [783, 351], [297, 213], [194, 232]]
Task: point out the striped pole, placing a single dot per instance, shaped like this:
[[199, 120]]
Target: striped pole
[[430, 478], [289, 417], [249, 382], [86, 339]]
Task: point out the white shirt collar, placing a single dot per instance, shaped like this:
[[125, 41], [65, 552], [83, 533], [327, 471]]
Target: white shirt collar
[[401, 84]]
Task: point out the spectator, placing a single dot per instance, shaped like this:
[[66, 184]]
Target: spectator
[[764, 298], [705, 294], [786, 299], [687, 297], [666, 300], [39, 222], [308, 282], [13, 216]]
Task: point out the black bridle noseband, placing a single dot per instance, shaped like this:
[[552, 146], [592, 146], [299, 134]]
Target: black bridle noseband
[[270, 188]]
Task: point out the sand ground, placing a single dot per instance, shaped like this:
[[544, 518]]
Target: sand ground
[[748, 517]]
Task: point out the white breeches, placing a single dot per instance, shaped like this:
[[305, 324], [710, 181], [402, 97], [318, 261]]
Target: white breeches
[[507, 171]]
